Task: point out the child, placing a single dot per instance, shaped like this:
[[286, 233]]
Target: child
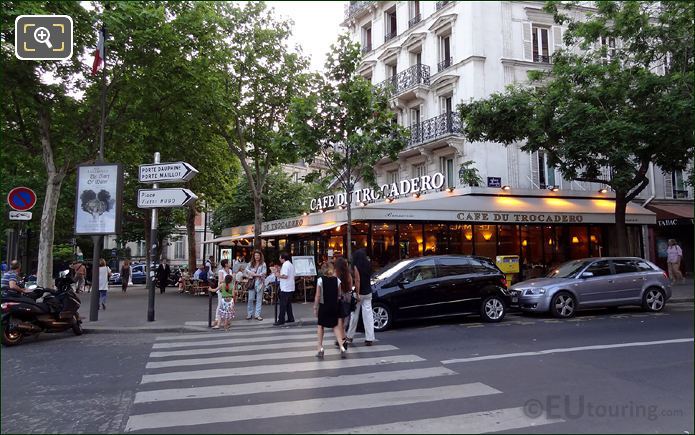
[[326, 307], [225, 309]]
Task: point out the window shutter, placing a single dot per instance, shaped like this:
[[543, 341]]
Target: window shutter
[[528, 41], [668, 185], [535, 172], [557, 38]]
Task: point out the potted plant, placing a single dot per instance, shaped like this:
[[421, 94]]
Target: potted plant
[[469, 175]]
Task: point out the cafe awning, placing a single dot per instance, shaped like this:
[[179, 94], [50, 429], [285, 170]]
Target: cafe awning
[[219, 239], [672, 211], [307, 229], [224, 240]]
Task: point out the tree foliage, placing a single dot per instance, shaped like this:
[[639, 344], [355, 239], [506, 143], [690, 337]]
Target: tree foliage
[[594, 108]]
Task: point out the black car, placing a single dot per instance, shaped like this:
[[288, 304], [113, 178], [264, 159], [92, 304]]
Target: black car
[[439, 286]]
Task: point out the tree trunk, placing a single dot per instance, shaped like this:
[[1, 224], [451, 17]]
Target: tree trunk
[[257, 221], [190, 235], [349, 226], [620, 227], [48, 217]]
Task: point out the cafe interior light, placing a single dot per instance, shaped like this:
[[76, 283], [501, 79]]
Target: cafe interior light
[[506, 187], [524, 242], [575, 240], [550, 241], [469, 236], [487, 235], [593, 238]]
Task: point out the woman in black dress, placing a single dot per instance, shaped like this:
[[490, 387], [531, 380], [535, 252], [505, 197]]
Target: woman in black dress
[[327, 307]]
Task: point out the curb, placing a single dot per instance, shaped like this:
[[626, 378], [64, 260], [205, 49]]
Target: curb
[[686, 299], [174, 329]]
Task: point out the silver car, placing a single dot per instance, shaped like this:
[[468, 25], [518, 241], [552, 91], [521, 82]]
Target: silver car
[[594, 282]]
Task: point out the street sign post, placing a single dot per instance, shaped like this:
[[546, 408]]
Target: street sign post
[[158, 198], [21, 199], [173, 172], [20, 215]]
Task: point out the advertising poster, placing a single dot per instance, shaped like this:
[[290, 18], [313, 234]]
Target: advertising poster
[[226, 254], [98, 201]]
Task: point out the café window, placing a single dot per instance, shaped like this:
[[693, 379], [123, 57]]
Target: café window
[[383, 243], [410, 243], [486, 240], [436, 239], [461, 239]]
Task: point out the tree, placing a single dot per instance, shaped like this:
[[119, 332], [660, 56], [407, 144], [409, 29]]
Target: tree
[[253, 77], [595, 108], [349, 122]]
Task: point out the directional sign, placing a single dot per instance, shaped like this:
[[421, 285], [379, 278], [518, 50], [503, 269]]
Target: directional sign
[[21, 198], [174, 172], [20, 215], [161, 198]]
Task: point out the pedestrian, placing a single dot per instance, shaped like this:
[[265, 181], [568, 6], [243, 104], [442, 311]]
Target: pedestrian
[[362, 269], [286, 278], [222, 275], [327, 307], [256, 272], [4, 266], [342, 271], [209, 263], [674, 255], [104, 275], [163, 273], [126, 275], [11, 280], [80, 273], [226, 296]]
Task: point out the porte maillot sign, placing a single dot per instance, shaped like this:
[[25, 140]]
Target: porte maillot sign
[[389, 190]]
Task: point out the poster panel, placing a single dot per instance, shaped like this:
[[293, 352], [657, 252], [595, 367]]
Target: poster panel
[[98, 201]]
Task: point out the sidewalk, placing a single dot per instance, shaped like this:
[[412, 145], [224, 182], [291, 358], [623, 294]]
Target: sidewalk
[[174, 312], [683, 292]]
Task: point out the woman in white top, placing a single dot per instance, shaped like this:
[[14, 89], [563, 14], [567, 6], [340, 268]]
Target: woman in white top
[[256, 271], [104, 274], [221, 275]]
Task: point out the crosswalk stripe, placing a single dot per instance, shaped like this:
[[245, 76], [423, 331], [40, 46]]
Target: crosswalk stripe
[[233, 341], [304, 407], [289, 384], [256, 357], [233, 349], [236, 332], [278, 368], [476, 422]]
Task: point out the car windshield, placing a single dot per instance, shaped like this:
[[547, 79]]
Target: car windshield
[[568, 270], [391, 270]]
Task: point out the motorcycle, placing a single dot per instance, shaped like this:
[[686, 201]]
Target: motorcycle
[[41, 310]]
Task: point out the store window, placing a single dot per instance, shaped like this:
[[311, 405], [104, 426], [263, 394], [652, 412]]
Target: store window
[[436, 239], [461, 239], [508, 242], [383, 243], [410, 240], [485, 240], [596, 241], [532, 250], [579, 242]]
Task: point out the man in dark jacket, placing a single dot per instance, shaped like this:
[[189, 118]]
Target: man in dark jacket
[[163, 273]]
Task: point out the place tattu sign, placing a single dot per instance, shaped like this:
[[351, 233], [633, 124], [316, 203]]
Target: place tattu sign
[[413, 185]]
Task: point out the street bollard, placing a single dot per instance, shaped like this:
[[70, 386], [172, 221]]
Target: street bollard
[[209, 309]]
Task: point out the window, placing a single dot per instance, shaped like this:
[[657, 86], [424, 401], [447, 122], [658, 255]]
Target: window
[[141, 249], [454, 267], [445, 105], [607, 43], [419, 170], [415, 16], [625, 266], [541, 52], [392, 177], [446, 167], [179, 250], [600, 268], [644, 266], [679, 188], [367, 37], [414, 116], [416, 58], [422, 271], [546, 172], [445, 59], [391, 29]]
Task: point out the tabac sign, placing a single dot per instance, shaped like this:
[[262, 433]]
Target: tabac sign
[[392, 190]]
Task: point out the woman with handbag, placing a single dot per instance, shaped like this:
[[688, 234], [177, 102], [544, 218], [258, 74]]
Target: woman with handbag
[[256, 272], [327, 307], [342, 271]]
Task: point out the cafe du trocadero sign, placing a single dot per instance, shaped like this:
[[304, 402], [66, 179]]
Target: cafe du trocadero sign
[[392, 190]]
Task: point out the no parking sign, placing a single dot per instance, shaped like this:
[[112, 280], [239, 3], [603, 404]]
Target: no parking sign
[[21, 198]]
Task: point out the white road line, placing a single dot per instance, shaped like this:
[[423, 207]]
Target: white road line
[[256, 357], [567, 349], [289, 385], [236, 333], [305, 407], [278, 368], [232, 341], [477, 422], [233, 349]]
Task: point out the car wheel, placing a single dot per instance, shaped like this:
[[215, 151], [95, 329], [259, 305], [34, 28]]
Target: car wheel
[[653, 300], [563, 305], [492, 309], [11, 337], [383, 320], [77, 325]]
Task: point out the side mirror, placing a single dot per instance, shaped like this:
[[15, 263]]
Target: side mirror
[[587, 275]]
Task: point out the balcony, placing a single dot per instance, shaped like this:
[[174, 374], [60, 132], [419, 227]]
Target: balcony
[[405, 80], [434, 128], [446, 63], [367, 48], [440, 5], [413, 21], [355, 7], [537, 58], [389, 36]]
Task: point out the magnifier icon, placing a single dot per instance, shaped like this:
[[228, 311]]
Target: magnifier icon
[[42, 36]]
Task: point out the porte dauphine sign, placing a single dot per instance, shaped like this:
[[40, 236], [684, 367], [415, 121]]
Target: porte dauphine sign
[[392, 190]]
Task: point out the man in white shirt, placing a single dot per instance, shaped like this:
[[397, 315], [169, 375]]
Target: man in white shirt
[[286, 278]]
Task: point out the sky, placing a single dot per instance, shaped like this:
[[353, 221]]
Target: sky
[[316, 26]]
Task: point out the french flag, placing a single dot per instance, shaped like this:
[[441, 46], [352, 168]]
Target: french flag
[[99, 53]]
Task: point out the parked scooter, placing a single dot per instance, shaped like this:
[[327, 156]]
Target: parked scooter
[[42, 310]]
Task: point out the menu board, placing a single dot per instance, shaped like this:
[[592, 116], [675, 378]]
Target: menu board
[[304, 265]]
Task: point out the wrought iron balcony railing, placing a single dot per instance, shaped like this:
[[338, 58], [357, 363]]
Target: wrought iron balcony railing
[[433, 128], [413, 21], [415, 75], [440, 5], [367, 48], [389, 36], [355, 7], [541, 59], [446, 63]]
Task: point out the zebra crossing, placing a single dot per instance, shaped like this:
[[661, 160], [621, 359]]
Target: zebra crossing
[[256, 379]]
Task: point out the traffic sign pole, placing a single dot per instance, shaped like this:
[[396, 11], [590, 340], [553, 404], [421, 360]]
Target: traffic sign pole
[[154, 242]]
